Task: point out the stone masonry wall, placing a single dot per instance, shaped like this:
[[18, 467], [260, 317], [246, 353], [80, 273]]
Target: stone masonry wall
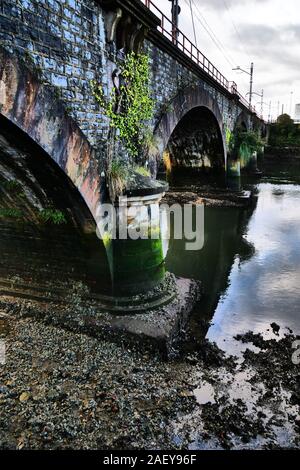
[[65, 42], [168, 76]]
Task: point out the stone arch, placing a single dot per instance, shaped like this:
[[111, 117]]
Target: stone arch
[[242, 121], [246, 157], [33, 108], [257, 125], [190, 98]]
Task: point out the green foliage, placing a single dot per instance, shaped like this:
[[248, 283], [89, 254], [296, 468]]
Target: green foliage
[[141, 170], [245, 139], [53, 216], [118, 170], [284, 133], [12, 185], [117, 177], [285, 120], [251, 139], [11, 213], [150, 145], [131, 106]]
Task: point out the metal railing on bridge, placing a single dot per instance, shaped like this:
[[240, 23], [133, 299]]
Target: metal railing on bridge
[[178, 38]]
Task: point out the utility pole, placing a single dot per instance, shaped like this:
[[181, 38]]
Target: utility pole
[[175, 17], [262, 103], [251, 83], [291, 99], [251, 80], [269, 117]]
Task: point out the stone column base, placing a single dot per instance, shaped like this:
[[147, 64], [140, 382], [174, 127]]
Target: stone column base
[[155, 320]]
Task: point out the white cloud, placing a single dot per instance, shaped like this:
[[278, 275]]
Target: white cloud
[[266, 32]]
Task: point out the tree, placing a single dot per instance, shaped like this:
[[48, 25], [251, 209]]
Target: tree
[[284, 132], [285, 120]]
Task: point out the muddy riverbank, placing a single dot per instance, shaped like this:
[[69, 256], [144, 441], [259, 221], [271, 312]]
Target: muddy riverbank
[[231, 383], [59, 390], [208, 196]]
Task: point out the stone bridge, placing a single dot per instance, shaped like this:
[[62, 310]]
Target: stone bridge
[[49, 53], [55, 136]]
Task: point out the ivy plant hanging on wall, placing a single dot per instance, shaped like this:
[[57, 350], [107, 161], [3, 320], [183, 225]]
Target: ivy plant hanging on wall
[[129, 107]]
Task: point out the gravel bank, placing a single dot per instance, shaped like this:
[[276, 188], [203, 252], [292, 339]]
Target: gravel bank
[[61, 389]]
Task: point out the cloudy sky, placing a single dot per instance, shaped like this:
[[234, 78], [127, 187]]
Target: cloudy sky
[[266, 32]]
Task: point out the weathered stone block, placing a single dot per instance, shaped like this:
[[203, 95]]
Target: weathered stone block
[[59, 80]]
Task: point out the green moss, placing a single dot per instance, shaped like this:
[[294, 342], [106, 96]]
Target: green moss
[[53, 216], [141, 170], [11, 213], [106, 238], [244, 142], [13, 187]]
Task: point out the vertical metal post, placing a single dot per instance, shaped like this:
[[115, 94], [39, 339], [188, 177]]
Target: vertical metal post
[[251, 84], [175, 12], [262, 103], [291, 100]]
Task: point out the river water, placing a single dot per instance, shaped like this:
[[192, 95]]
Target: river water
[[249, 265], [62, 382], [250, 262]]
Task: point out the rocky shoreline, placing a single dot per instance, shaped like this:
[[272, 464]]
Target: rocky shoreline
[[208, 196], [67, 390]]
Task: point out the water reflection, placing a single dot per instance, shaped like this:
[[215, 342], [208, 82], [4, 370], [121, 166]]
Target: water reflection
[[250, 263], [266, 287], [249, 266], [223, 239]]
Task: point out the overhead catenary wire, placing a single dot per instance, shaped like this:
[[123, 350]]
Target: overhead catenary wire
[[205, 25], [235, 28], [230, 60], [211, 34], [193, 22]]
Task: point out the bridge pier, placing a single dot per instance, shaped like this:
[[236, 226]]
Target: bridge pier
[[133, 238], [253, 168], [46, 93], [233, 174]]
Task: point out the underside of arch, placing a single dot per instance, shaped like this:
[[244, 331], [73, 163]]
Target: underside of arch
[[34, 109], [242, 122], [47, 232], [195, 113], [196, 143]]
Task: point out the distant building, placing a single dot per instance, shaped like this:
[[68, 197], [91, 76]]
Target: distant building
[[297, 113]]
